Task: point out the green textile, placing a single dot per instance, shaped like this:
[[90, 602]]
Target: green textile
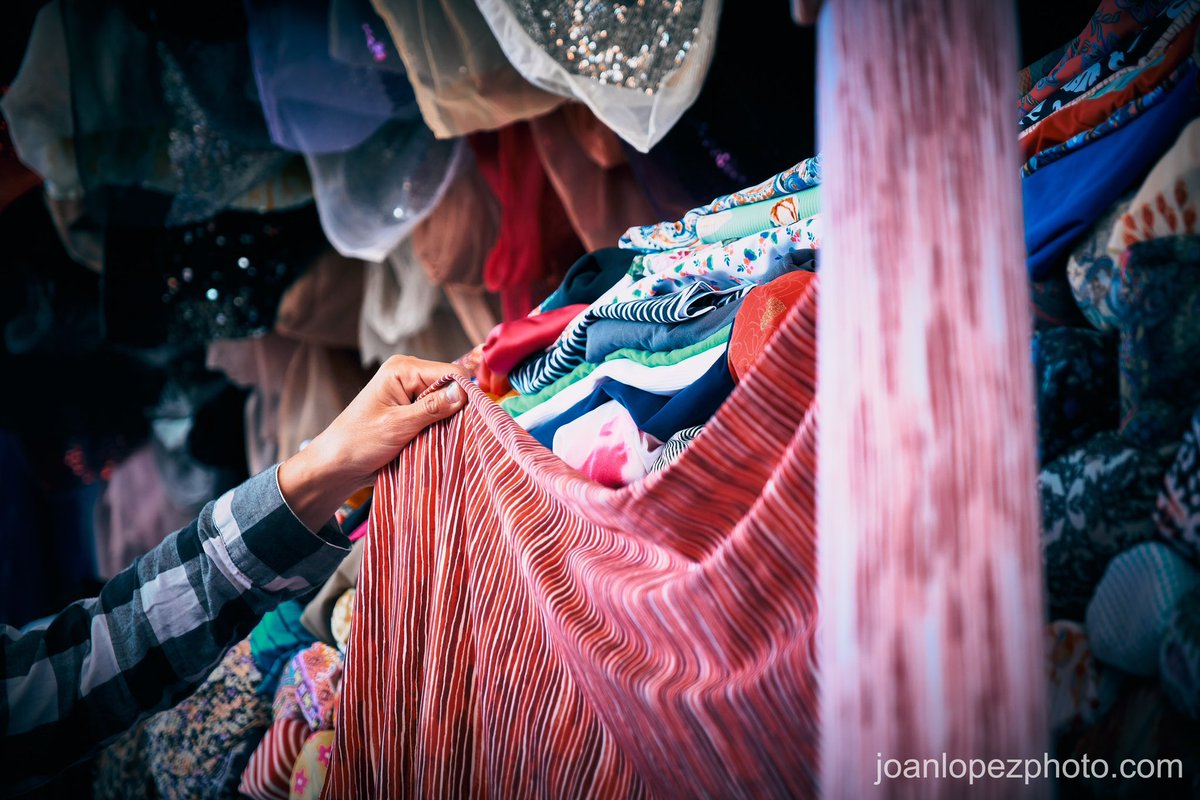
[[745, 220], [517, 406]]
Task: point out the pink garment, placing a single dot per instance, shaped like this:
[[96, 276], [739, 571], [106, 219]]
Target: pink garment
[[606, 446], [135, 513]]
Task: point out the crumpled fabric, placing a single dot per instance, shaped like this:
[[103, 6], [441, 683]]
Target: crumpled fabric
[[1177, 509], [462, 79], [1097, 501], [1180, 656], [273, 642], [1091, 270], [268, 774], [1075, 378], [638, 67]]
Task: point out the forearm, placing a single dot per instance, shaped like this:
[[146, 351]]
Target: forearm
[[158, 628]]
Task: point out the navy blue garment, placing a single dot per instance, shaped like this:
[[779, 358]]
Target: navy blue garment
[[590, 277], [1066, 197], [658, 415]]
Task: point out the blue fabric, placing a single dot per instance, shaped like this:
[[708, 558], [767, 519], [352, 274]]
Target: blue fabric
[[607, 336], [1063, 199], [658, 415]]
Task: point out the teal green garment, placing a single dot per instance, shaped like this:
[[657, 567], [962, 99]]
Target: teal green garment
[[742, 221], [274, 640], [517, 406]]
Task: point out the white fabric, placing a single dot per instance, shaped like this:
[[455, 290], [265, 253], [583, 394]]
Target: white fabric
[[38, 108], [665, 380], [398, 302], [370, 198], [607, 438], [639, 118]]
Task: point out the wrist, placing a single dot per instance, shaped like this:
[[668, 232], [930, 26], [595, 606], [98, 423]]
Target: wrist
[[314, 485]]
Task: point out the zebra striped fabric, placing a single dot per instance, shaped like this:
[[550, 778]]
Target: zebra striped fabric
[[522, 631], [570, 351], [673, 448]]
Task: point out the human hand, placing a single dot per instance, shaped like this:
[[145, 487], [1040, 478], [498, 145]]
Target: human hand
[[366, 436]]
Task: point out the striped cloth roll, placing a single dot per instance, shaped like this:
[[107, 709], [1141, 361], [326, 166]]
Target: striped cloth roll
[[521, 631]]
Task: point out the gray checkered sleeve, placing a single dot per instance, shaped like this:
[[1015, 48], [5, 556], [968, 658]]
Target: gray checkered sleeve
[[157, 629]]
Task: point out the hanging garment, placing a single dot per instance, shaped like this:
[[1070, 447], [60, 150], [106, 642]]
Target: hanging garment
[[319, 383], [545, 635], [259, 364], [637, 67], [1114, 22], [536, 243], [135, 513], [453, 241], [190, 285], [312, 102], [37, 107], [1165, 205], [358, 36], [672, 235], [322, 307], [1065, 198], [461, 78], [371, 197], [1091, 108], [585, 164]]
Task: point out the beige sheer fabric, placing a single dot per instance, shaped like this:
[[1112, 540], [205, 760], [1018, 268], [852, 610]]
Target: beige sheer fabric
[[462, 79]]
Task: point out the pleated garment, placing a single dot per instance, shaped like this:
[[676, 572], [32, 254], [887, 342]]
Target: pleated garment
[[523, 631]]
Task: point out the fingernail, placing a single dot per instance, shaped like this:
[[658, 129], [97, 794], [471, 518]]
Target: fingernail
[[453, 393]]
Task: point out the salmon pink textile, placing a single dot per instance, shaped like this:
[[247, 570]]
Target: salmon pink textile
[[524, 631]]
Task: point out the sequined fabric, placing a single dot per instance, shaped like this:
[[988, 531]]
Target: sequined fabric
[[634, 44]]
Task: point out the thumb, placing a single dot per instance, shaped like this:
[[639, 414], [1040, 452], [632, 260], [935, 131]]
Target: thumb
[[437, 405]]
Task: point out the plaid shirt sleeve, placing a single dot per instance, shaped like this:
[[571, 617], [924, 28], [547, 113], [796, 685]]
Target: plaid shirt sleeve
[[157, 629]]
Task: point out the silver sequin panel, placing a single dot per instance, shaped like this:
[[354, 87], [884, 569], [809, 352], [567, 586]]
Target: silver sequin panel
[[634, 44]]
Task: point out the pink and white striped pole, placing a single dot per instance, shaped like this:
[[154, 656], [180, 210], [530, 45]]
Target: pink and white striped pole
[[930, 572]]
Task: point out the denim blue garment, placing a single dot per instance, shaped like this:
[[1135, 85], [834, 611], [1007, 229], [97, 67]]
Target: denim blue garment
[[607, 336], [1063, 199], [658, 415]]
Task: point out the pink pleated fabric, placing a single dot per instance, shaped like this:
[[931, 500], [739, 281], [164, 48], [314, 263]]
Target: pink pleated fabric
[[522, 631]]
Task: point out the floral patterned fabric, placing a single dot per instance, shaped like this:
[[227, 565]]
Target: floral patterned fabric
[[1114, 22], [1090, 270], [1157, 304], [674, 235], [1165, 205], [1076, 380], [1118, 119], [1097, 501], [1127, 53], [317, 672], [1178, 507], [199, 748], [308, 777], [1075, 684], [1180, 655], [121, 771]]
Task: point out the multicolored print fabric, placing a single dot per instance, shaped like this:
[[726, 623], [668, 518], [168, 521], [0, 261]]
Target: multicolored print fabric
[[673, 235]]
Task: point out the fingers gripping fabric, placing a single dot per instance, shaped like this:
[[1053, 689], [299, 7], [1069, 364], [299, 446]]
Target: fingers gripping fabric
[[523, 631]]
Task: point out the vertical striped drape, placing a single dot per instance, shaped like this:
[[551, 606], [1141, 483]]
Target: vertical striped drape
[[929, 565]]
